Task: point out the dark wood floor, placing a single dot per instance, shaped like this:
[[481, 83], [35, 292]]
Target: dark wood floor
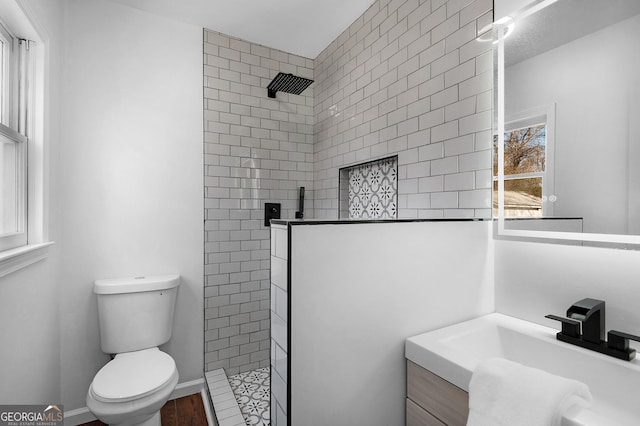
[[186, 411]]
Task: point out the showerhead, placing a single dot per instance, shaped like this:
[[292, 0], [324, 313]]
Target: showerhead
[[287, 83]]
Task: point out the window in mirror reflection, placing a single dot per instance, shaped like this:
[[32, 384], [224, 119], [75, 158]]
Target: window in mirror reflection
[[524, 171]]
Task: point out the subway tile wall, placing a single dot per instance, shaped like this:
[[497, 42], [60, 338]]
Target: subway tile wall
[[409, 78], [279, 323], [256, 150]]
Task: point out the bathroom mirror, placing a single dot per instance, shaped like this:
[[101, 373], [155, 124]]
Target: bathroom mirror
[[567, 163]]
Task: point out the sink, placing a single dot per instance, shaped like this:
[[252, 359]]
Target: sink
[[453, 353]]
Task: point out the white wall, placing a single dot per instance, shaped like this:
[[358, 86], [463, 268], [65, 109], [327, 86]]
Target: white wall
[[30, 354], [535, 279], [357, 292], [131, 175]]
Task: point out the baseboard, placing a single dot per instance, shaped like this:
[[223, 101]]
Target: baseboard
[[78, 416], [83, 415], [188, 388]]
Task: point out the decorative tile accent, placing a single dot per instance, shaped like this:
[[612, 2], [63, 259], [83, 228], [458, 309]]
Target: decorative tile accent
[[373, 190], [252, 391]]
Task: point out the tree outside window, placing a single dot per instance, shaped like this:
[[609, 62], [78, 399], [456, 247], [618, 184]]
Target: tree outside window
[[524, 169]]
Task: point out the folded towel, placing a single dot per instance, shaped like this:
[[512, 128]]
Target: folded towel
[[505, 393]]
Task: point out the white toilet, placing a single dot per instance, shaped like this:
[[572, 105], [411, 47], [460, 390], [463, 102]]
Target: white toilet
[[136, 316]]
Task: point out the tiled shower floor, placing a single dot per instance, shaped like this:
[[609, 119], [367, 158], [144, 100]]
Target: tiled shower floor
[[252, 391]]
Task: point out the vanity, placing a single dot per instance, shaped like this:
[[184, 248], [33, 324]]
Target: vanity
[[440, 364], [433, 401]]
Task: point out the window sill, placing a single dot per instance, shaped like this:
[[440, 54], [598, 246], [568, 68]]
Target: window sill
[[21, 257]]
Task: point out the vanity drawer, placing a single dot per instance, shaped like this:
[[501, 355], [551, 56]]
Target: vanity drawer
[[442, 400], [417, 416]]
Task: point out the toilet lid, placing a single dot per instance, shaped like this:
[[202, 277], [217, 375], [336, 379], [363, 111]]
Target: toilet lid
[[133, 375]]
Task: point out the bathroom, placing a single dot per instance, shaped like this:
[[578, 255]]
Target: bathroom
[[127, 193]]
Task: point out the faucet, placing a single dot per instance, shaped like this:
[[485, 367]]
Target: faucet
[[589, 315]]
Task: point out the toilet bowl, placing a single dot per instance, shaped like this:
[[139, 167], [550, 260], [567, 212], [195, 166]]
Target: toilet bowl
[[131, 389], [136, 316]]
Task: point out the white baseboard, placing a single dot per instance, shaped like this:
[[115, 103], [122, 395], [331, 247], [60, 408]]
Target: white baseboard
[[78, 416], [83, 415], [188, 388]]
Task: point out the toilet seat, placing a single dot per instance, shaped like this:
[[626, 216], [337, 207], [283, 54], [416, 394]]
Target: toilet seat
[[133, 375]]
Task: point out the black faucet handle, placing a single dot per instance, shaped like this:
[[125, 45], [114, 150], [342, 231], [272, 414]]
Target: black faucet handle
[[619, 341], [570, 327]]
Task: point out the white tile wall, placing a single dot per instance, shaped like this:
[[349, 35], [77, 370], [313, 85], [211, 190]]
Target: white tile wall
[[257, 150], [409, 78], [279, 319]]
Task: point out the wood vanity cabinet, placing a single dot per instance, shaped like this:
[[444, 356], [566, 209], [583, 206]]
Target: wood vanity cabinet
[[432, 401]]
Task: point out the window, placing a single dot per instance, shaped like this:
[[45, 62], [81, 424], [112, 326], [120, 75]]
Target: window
[[13, 142], [13, 186], [23, 229], [527, 159]]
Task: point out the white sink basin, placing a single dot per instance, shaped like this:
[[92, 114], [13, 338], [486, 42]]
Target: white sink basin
[[453, 353]]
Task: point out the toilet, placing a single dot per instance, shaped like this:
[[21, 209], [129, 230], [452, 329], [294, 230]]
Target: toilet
[[135, 316]]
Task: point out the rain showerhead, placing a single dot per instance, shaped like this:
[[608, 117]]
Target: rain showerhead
[[287, 83]]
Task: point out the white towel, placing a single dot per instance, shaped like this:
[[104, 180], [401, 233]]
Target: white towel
[[505, 393]]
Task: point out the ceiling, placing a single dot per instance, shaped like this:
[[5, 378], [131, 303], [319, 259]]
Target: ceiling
[[302, 27]]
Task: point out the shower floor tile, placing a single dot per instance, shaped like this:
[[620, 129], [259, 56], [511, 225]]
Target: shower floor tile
[[252, 391]]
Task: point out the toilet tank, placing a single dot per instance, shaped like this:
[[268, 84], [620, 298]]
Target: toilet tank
[[135, 313]]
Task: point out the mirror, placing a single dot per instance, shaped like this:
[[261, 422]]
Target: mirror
[[567, 166]]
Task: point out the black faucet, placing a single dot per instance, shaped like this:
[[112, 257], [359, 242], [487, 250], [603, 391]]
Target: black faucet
[[590, 314]]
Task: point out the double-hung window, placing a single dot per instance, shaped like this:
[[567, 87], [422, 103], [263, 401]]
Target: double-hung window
[[23, 230], [528, 165], [13, 140]]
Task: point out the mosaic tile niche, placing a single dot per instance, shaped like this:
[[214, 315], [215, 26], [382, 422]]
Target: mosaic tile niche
[[370, 190]]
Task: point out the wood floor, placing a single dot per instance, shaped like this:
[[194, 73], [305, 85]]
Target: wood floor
[[186, 411]]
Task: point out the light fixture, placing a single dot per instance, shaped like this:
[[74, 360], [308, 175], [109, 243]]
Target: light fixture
[[506, 22]]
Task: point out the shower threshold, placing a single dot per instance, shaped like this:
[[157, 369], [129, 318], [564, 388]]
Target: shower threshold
[[241, 399]]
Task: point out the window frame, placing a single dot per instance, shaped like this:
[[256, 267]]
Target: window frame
[[20, 236], [541, 115], [7, 40], [34, 242], [10, 75]]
